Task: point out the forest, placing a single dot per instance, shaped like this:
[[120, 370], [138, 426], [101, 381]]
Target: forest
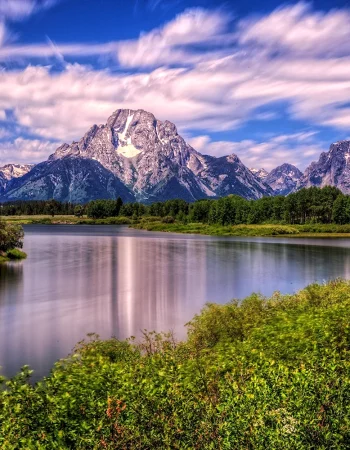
[[313, 205]]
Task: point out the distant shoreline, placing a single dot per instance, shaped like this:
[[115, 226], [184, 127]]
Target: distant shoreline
[[153, 224]]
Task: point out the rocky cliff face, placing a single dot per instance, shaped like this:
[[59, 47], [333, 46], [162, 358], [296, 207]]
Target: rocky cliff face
[[283, 179], [148, 159], [261, 174], [10, 171], [333, 168]]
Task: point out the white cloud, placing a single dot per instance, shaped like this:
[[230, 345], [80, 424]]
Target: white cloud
[[16, 9], [21, 9], [25, 151], [262, 62], [299, 30], [166, 45]]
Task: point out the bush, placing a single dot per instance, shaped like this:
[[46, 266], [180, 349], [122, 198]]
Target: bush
[[78, 210], [16, 254], [266, 373], [11, 236], [168, 219]]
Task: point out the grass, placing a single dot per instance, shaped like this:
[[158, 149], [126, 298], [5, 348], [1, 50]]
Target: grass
[[218, 230], [264, 373], [317, 230], [65, 220]]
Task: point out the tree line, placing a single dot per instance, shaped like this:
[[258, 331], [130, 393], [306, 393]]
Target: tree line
[[311, 205]]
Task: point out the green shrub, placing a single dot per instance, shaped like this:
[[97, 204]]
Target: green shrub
[[168, 219], [11, 236], [266, 373], [15, 253]]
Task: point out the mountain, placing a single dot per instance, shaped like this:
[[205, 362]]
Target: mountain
[[135, 156], [76, 180], [332, 168], [283, 179], [261, 174], [10, 171]]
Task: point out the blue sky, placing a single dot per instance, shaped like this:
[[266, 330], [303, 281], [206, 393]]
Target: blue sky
[[268, 81]]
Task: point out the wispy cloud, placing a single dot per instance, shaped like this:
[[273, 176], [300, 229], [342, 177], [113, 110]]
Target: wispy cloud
[[299, 30], [25, 150], [169, 44], [21, 9]]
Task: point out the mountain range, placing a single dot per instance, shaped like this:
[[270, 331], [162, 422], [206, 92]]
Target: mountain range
[[139, 158]]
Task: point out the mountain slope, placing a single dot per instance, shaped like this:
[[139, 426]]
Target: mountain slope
[[228, 175], [10, 171], [150, 159], [283, 179], [332, 168], [74, 180]]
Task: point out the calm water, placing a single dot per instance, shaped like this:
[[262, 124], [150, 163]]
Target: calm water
[[117, 281]]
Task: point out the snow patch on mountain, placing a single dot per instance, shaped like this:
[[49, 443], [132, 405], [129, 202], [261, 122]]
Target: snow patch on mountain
[[128, 150]]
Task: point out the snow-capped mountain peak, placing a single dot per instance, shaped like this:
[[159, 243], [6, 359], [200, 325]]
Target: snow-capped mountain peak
[[149, 158], [259, 173], [283, 179]]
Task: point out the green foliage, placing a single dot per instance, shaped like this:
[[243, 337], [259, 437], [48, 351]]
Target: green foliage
[[53, 207], [36, 207], [15, 253], [217, 230], [99, 209], [266, 373], [78, 210], [168, 219], [11, 236]]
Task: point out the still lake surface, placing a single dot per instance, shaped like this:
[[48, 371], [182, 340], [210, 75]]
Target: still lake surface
[[116, 281]]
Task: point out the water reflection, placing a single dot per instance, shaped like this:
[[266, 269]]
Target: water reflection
[[117, 281]]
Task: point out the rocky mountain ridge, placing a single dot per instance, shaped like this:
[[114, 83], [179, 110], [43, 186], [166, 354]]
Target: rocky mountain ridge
[[283, 179], [147, 157], [332, 168], [140, 158]]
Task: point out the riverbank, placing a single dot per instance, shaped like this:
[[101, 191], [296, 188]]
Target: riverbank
[[314, 230], [156, 224], [65, 220], [265, 373]]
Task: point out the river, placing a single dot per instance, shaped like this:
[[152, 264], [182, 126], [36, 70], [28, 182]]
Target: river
[[116, 281]]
